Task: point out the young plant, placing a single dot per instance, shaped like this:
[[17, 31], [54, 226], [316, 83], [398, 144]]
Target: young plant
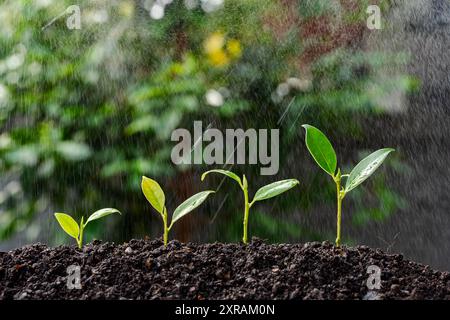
[[71, 227], [155, 195], [323, 153], [269, 191]]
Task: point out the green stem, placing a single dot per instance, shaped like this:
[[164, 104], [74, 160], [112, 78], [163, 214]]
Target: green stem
[[340, 194], [246, 212], [166, 229], [80, 236], [244, 187], [339, 213]]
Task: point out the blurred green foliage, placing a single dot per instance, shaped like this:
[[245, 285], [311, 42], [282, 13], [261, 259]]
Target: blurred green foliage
[[85, 113]]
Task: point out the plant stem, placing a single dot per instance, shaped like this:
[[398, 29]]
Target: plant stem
[[80, 236], [246, 211], [339, 214], [339, 196], [166, 229]]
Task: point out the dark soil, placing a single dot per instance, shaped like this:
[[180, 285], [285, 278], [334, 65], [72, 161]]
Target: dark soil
[[144, 269]]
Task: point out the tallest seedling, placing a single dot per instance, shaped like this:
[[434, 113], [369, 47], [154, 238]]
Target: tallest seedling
[[323, 153]]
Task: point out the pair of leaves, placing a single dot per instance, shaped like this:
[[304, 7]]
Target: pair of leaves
[[155, 196], [269, 191], [323, 153], [71, 227]]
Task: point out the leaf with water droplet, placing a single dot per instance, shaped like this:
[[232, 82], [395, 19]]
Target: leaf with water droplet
[[274, 189], [189, 205], [366, 168], [101, 213]]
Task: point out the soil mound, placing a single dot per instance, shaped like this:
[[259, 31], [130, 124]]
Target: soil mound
[[143, 269]]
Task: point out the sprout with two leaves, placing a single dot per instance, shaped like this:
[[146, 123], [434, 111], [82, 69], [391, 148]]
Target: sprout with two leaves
[[269, 191], [323, 153], [155, 195], [71, 227]]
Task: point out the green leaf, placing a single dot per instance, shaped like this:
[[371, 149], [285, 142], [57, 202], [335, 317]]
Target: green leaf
[[189, 205], [68, 224], [142, 124], [224, 172], [274, 189], [73, 151], [321, 149], [366, 168], [27, 155], [101, 213], [154, 194]]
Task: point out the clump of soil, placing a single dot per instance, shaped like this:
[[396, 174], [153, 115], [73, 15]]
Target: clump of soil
[[143, 269]]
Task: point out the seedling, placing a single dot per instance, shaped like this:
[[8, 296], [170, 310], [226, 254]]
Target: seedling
[[323, 153], [155, 195], [269, 191], [71, 227]]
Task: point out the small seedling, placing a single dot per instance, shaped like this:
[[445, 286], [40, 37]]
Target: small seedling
[[71, 227], [323, 153], [269, 191], [155, 195]]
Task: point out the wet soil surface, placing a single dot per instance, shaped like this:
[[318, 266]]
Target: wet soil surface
[[144, 269]]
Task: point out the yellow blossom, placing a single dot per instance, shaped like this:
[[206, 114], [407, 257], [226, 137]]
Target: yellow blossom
[[214, 43], [218, 58], [234, 48], [217, 54]]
